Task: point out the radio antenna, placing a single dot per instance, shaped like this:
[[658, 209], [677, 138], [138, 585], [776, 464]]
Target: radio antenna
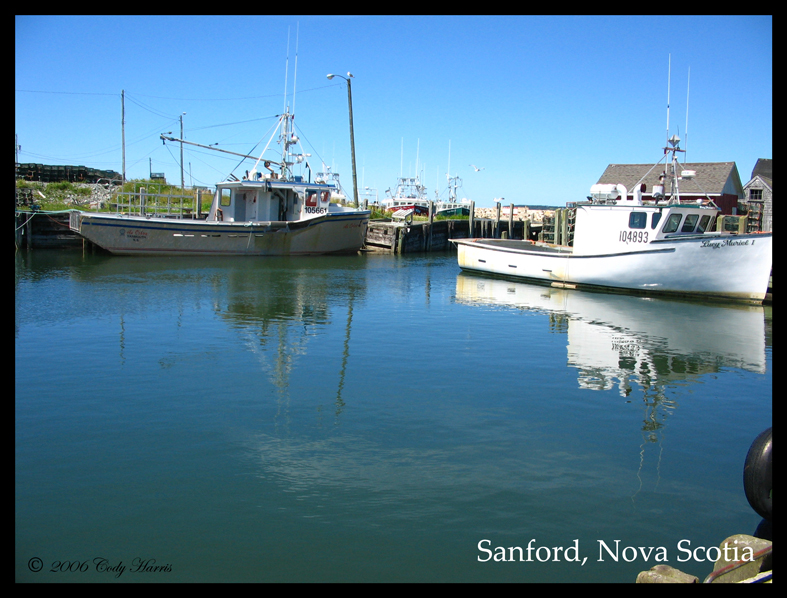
[[295, 74], [686, 132], [286, 69], [669, 73]]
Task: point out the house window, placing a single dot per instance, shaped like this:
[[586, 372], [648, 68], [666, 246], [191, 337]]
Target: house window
[[755, 194]]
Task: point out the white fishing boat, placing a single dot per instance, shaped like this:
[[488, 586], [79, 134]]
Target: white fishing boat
[[266, 213], [329, 177], [625, 242], [408, 194]]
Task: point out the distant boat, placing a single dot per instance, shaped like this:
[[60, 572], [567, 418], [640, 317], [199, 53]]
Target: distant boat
[[264, 214], [408, 194], [332, 178], [662, 245], [453, 206]]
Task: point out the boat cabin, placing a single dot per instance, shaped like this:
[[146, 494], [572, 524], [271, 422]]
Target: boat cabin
[[613, 221], [269, 201]]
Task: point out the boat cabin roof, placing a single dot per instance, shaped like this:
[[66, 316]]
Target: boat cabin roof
[[273, 184]]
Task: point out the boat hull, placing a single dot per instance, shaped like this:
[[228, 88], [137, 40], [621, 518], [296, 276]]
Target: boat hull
[[132, 235], [732, 267]]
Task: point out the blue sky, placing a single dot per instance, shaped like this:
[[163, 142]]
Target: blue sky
[[542, 103]]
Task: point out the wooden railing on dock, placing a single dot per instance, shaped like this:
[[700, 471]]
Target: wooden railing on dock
[[400, 236]]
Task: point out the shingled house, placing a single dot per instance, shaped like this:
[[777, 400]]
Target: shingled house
[[759, 196], [717, 180]]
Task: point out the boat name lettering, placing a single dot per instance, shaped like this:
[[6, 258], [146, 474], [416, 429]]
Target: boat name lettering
[[725, 243], [310, 210], [625, 346], [133, 234], [633, 236]]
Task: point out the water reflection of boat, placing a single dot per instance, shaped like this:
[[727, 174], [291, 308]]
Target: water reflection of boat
[[640, 346], [616, 339], [281, 306]]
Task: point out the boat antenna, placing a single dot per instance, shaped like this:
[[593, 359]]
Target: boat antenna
[[417, 155], [669, 73], [286, 70], [686, 132], [401, 160], [295, 74], [448, 173]]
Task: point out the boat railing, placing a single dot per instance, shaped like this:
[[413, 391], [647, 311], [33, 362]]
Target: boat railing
[[169, 205]]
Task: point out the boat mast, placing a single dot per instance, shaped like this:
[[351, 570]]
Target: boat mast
[[672, 146], [686, 131]]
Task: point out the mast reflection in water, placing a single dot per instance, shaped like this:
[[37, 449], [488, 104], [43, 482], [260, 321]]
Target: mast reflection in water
[[369, 418]]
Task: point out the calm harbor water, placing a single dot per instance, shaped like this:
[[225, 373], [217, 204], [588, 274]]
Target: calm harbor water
[[370, 418]]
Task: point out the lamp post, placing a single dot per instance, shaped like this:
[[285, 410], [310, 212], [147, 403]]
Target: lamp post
[[352, 134], [181, 154]]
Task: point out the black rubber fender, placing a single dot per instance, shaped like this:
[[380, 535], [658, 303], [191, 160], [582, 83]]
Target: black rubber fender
[[758, 475]]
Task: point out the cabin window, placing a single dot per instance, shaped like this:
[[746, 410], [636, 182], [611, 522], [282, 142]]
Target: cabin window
[[703, 225], [654, 219], [690, 223], [672, 223], [637, 219], [225, 197]]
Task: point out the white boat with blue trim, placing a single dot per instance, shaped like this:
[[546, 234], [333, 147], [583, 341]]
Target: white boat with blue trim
[[626, 243], [265, 214]]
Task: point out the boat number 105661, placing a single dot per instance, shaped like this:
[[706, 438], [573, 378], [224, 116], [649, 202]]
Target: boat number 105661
[[633, 236]]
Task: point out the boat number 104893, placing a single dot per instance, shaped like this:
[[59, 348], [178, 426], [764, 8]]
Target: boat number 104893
[[633, 236]]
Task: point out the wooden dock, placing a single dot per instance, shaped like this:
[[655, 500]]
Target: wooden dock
[[44, 230], [415, 236]]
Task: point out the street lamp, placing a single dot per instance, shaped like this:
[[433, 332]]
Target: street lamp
[[181, 154], [352, 134]]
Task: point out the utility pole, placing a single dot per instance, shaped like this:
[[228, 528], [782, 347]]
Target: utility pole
[[352, 138], [352, 133]]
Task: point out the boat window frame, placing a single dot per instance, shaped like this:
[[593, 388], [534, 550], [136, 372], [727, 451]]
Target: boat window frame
[[690, 223], [226, 198], [654, 220], [671, 225], [638, 220], [703, 224]]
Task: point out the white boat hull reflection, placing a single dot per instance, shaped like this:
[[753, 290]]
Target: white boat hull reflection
[[616, 339]]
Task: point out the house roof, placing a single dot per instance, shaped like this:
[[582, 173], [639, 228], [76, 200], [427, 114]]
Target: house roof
[[713, 178], [763, 168], [759, 181]]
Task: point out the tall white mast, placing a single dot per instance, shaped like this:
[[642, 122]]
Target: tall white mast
[[686, 132], [295, 74], [286, 70], [401, 160], [417, 156], [669, 71]]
